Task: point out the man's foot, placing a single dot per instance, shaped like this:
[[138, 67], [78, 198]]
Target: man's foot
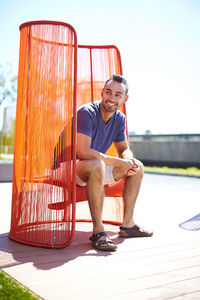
[[134, 231], [101, 241]]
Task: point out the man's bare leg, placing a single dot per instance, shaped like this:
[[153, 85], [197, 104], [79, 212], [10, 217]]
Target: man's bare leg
[[95, 194], [130, 193], [92, 172]]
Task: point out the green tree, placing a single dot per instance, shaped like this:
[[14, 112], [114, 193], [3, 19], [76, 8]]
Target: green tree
[[8, 84], [8, 130], [148, 132]]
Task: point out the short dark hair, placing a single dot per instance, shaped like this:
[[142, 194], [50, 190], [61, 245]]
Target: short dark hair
[[118, 78]]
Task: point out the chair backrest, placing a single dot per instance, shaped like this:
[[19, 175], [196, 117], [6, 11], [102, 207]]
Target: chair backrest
[[95, 65], [46, 101]]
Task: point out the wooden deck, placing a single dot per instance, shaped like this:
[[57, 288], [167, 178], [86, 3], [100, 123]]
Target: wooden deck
[[165, 266]]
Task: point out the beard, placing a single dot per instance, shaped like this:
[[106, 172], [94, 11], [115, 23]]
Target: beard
[[109, 108]]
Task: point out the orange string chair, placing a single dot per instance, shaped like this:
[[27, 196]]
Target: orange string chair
[[46, 202]]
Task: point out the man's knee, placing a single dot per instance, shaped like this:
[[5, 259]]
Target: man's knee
[[92, 167], [140, 167], [97, 166], [97, 171]]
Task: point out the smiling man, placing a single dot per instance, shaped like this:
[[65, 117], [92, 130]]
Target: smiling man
[[99, 124]]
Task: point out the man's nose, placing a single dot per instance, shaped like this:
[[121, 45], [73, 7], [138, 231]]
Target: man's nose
[[111, 97]]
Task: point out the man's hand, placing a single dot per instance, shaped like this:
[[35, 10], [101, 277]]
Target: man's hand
[[127, 167], [133, 167]]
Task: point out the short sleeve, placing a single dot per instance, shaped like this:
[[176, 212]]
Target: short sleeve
[[84, 122], [121, 135]]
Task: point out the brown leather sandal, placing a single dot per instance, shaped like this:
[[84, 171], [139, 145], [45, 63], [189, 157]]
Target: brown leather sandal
[[134, 231], [101, 241]]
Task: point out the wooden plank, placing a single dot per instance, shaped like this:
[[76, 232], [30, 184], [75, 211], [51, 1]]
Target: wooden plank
[[166, 266], [117, 272]]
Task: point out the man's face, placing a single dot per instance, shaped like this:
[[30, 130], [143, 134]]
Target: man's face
[[113, 96]]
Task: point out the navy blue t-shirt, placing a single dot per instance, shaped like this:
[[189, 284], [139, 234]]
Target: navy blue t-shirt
[[90, 122]]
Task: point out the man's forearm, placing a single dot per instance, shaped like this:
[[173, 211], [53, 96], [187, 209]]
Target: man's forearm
[[111, 160], [93, 154]]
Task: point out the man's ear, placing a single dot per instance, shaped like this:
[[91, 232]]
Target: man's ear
[[102, 93], [126, 98]]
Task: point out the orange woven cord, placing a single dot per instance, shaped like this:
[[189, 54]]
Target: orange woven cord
[[44, 177], [95, 65], [46, 102]]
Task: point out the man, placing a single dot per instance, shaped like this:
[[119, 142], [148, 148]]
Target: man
[[98, 125]]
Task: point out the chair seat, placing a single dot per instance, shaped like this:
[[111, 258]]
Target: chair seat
[[111, 190]]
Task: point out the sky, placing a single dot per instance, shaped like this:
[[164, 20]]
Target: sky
[[159, 42]]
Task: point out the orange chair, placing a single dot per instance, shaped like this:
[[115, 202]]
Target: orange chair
[[46, 203]]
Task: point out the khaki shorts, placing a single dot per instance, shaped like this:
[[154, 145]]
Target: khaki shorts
[[107, 179], [60, 174]]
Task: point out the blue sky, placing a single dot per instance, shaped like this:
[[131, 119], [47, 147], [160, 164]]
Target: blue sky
[[159, 41]]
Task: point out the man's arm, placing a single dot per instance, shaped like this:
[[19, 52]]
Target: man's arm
[[84, 152], [123, 150], [83, 147]]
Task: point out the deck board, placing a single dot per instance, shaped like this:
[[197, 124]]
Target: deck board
[[165, 266]]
